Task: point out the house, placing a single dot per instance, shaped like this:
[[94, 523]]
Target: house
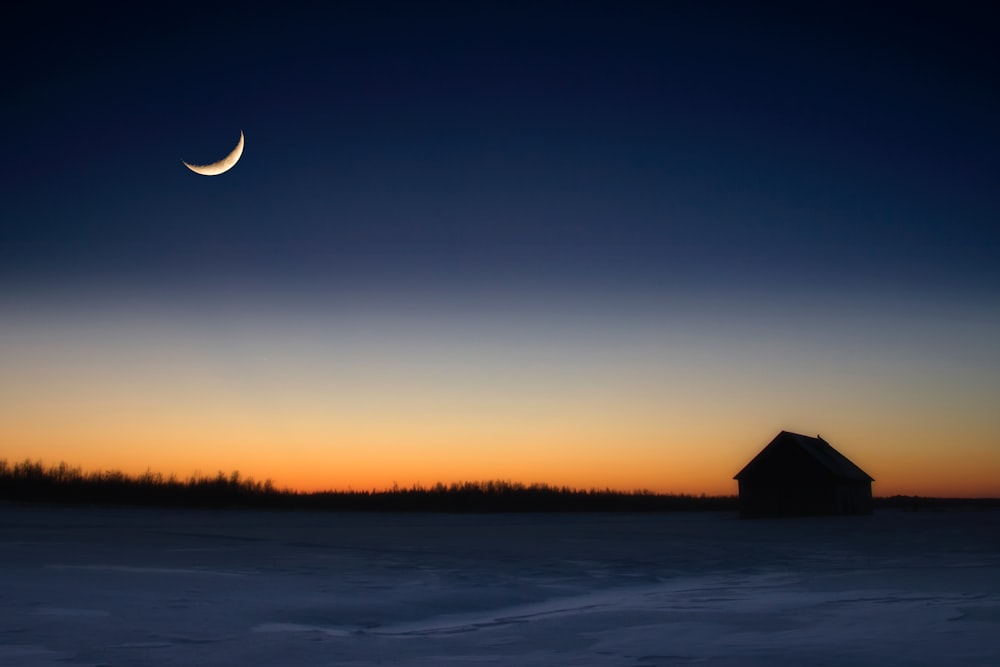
[[796, 475]]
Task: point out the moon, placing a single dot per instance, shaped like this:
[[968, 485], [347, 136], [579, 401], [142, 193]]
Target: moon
[[223, 165]]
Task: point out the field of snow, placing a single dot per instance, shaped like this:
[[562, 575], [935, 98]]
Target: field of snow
[[158, 587]]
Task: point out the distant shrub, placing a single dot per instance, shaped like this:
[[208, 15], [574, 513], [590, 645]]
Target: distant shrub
[[923, 504]]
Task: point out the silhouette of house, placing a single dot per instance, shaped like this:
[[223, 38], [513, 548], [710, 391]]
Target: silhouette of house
[[796, 475]]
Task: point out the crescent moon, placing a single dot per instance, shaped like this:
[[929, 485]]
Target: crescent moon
[[223, 165]]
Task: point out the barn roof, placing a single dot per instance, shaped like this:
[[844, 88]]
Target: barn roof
[[838, 464]]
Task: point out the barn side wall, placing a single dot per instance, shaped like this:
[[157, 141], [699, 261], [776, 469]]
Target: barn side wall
[[854, 498]]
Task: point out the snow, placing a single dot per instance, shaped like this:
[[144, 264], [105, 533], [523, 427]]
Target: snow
[[92, 586]]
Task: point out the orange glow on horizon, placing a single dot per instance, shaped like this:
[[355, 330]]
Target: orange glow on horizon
[[662, 470], [655, 407]]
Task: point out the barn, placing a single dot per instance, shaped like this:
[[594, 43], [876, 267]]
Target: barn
[[796, 475]]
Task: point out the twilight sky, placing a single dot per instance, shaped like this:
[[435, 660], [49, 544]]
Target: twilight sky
[[596, 244]]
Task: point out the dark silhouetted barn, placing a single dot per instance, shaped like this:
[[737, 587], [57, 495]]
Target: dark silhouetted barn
[[796, 475]]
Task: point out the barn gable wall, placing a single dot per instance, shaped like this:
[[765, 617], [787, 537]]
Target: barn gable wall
[[784, 462]]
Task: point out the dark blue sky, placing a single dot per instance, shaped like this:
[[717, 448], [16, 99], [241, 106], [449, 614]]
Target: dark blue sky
[[845, 147]]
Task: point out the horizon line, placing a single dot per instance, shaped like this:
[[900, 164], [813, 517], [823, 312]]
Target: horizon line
[[234, 477]]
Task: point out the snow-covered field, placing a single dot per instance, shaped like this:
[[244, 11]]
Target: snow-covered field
[[155, 587]]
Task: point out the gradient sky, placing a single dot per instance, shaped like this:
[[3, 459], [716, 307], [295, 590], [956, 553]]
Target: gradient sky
[[595, 244]]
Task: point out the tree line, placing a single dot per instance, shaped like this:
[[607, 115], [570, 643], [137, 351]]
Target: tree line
[[33, 482]]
